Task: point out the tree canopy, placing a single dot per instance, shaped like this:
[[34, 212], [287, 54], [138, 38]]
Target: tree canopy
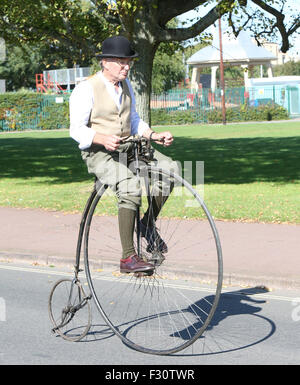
[[76, 28]]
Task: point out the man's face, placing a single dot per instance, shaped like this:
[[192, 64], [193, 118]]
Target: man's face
[[116, 69]]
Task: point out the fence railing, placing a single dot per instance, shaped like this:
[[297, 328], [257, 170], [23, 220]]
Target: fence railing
[[34, 111], [199, 103], [51, 111], [202, 102]]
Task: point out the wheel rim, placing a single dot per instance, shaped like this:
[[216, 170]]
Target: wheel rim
[[69, 320], [162, 313]]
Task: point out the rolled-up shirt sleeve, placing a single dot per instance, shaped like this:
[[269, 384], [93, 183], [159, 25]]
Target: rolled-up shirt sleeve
[[81, 104]]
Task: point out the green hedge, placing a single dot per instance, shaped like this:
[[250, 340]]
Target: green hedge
[[18, 110], [162, 117], [54, 115], [30, 110], [244, 113]]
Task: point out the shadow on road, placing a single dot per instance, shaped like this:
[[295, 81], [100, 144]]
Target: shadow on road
[[236, 324]]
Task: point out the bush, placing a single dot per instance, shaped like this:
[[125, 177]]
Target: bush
[[162, 117], [244, 113], [30, 110], [18, 110], [54, 115]]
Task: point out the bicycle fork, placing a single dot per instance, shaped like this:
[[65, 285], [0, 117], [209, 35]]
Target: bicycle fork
[[69, 310]]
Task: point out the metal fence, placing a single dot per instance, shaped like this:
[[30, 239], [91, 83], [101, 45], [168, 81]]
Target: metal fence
[[35, 113], [287, 96], [204, 101], [51, 111], [67, 76], [185, 99], [200, 103]]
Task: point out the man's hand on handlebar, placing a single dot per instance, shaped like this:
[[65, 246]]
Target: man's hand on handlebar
[[110, 142], [165, 138]]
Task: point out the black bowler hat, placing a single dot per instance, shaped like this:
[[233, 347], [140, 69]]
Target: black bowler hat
[[117, 46]]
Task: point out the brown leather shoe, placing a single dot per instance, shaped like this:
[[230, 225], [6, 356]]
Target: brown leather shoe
[[134, 264]]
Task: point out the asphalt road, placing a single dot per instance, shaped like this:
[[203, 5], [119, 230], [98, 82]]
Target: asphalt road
[[248, 328]]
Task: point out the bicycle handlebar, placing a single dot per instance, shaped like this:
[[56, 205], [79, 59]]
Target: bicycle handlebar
[[139, 139]]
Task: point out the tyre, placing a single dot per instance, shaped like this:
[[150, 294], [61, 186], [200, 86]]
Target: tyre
[[164, 312], [69, 310]]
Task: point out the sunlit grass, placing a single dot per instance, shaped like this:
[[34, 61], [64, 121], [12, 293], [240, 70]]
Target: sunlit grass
[[251, 171]]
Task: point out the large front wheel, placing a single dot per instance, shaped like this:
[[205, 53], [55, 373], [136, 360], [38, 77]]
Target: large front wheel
[[167, 311]]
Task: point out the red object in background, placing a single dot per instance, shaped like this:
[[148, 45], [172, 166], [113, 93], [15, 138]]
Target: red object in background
[[43, 85]]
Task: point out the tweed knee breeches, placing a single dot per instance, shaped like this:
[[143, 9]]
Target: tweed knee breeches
[[112, 168]]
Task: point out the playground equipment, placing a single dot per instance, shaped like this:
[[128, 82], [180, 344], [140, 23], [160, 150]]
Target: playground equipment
[[46, 84], [61, 80]]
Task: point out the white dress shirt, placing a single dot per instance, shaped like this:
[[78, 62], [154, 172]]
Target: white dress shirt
[[81, 103]]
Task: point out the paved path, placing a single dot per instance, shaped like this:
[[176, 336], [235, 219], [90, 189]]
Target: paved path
[[253, 253]]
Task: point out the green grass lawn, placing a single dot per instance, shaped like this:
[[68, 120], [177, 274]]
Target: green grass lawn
[[251, 171]]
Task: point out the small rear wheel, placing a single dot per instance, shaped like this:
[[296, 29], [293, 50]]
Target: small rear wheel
[[69, 310]]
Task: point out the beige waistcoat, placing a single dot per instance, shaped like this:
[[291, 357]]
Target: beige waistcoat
[[105, 117]]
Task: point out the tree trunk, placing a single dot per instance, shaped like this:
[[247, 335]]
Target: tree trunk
[[145, 28], [141, 77]]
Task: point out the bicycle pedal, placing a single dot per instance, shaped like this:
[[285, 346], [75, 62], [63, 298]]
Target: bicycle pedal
[[157, 258], [141, 274], [151, 249], [144, 257]]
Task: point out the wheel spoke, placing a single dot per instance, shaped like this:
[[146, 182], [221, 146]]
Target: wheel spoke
[[160, 313]]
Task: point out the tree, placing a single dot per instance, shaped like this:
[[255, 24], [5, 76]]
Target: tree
[[71, 28], [167, 71], [22, 63], [145, 23], [19, 68], [288, 69], [168, 66], [258, 19], [80, 26]]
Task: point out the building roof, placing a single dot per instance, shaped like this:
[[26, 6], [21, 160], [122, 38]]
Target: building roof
[[236, 51]]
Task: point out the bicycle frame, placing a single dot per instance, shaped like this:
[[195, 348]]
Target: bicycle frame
[[81, 228], [97, 186], [191, 315]]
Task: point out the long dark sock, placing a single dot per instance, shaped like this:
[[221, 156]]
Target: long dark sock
[[126, 229], [155, 205], [154, 208]]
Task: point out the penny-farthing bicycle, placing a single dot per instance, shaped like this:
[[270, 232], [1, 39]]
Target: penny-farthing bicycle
[[159, 313]]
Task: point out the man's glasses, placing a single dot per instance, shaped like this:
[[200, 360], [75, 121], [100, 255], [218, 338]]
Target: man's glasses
[[124, 64]]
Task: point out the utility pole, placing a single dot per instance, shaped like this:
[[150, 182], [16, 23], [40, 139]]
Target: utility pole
[[222, 75]]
